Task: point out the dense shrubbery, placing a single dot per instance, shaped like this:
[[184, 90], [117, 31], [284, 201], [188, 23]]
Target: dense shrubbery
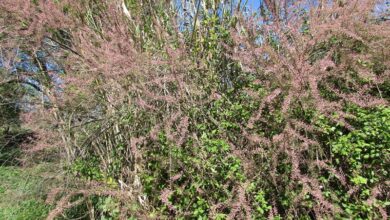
[[363, 157], [202, 111]]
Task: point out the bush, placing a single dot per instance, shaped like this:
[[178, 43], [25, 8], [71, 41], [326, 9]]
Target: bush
[[201, 111], [364, 157]]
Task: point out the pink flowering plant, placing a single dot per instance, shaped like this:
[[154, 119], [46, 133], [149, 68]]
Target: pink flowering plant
[[201, 110]]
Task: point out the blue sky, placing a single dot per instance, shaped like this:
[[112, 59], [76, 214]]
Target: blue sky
[[254, 4]]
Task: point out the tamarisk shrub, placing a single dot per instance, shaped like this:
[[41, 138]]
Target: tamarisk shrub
[[318, 64], [279, 115]]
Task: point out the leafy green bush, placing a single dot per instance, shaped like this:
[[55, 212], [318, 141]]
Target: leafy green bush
[[199, 176], [363, 156], [365, 151]]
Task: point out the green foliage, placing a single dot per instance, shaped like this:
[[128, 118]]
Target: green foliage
[[365, 151], [108, 208], [363, 154], [207, 174], [260, 202], [87, 168]]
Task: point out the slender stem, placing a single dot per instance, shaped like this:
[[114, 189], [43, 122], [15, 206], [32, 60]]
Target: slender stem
[[195, 20]]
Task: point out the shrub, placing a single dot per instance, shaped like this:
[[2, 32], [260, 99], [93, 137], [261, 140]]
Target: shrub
[[201, 111]]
